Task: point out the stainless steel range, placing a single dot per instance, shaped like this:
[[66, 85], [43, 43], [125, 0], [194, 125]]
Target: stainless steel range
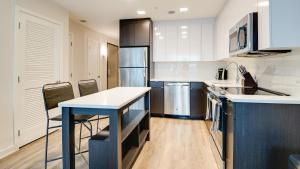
[[218, 136]]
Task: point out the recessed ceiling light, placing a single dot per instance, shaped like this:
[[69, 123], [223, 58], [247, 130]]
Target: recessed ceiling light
[[155, 28], [183, 9], [161, 37], [157, 33], [141, 12], [184, 32], [184, 27]]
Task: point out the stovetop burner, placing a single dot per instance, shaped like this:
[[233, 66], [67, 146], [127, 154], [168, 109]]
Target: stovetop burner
[[252, 91]]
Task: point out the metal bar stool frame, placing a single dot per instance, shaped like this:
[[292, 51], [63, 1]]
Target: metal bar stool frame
[[54, 105]]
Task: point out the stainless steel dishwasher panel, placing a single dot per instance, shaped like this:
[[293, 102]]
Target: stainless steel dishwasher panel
[[177, 98]]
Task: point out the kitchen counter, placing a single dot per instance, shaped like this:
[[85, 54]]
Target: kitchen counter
[[239, 98], [217, 83], [116, 146], [263, 99], [111, 99]]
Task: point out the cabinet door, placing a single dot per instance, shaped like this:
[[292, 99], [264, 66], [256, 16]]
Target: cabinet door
[[195, 41], [183, 43], [171, 42], [157, 98], [127, 33], [207, 42], [159, 42], [142, 32], [197, 100]]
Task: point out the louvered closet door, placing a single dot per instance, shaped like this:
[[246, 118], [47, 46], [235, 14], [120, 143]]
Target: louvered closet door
[[39, 46]]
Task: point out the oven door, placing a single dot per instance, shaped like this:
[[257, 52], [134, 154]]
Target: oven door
[[233, 41], [217, 142], [239, 42], [242, 38]]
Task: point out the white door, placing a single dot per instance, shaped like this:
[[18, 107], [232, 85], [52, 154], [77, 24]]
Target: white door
[[73, 80], [94, 60], [39, 44]]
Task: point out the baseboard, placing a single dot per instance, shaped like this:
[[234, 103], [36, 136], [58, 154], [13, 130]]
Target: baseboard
[[7, 151]]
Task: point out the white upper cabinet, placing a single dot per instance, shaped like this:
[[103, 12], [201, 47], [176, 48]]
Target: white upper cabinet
[[159, 43], [183, 41], [207, 42], [183, 44], [171, 42], [279, 26], [195, 30]]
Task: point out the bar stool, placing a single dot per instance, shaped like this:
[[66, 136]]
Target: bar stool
[[87, 87], [54, 94]]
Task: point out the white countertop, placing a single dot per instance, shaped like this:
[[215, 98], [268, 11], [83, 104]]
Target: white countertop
[[263, 99], [217, 83], [111, 99], [240, 98]]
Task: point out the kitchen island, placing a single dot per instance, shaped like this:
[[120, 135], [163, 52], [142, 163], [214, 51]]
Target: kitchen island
[[127, 132]]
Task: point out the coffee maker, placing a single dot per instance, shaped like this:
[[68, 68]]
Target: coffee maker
[[220, 76]]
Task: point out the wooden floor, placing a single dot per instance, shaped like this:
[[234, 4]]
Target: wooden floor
[[175, 144]]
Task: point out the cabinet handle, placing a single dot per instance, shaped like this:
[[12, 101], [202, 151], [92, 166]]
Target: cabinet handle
[[228, 114]]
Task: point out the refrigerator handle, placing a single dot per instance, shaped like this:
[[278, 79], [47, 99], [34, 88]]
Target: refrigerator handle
[[145, 77], [145, 54]]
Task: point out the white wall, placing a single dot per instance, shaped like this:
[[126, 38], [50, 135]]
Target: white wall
[[233, 11], [81, 34], [6, 75], [280, 72], [187, 70], [7, 12]]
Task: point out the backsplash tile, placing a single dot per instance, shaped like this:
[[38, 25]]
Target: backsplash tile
[[187, 70], [279, 72]]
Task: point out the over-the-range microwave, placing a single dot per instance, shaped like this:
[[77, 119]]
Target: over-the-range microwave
[[243, 38]]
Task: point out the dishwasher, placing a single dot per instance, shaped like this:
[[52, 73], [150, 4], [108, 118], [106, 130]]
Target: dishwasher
[[177, 98]]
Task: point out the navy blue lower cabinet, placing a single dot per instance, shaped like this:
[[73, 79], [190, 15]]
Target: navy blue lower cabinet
[[198, 100], [261, 136]]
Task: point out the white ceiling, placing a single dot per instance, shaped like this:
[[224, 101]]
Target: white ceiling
[[104, 15]]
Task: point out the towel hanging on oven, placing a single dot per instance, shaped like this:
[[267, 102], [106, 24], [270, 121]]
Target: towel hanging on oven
[[208, 108], [216, 115]]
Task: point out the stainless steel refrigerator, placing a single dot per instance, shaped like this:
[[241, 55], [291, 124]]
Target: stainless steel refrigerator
[[134, 69]]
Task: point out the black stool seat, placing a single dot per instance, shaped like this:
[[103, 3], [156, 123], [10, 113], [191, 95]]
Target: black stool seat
[[77, 118]]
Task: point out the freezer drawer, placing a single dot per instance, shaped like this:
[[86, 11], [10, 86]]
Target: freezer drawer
[[133, 57], [177, 99], [134, 77]]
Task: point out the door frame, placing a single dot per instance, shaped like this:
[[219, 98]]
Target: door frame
[[17, 122], [107, 61], [98, 59]]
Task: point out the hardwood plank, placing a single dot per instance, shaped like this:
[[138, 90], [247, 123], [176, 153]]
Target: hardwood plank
[[175, 144]]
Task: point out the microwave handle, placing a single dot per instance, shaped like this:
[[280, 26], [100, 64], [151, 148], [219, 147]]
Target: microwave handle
[[238, 38]]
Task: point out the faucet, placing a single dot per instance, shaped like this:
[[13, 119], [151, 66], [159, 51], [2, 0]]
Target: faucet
[[237, 71]]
